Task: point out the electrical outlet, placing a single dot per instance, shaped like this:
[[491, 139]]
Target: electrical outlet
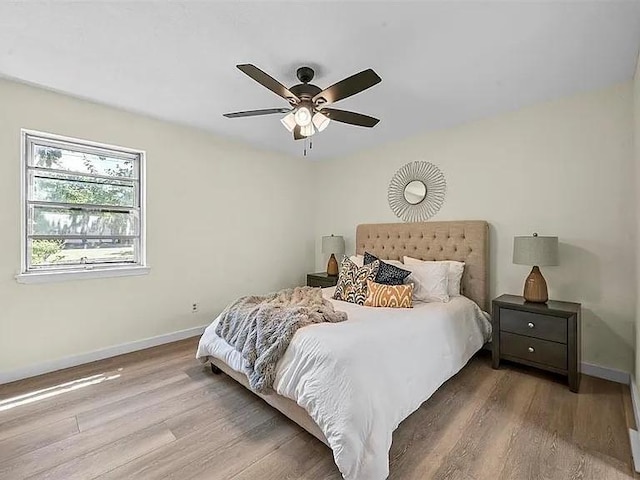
[[194, 308]]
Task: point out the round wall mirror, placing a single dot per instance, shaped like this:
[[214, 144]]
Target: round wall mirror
[[415, 192]]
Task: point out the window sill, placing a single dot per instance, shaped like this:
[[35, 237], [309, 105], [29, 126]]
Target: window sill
[[62, 276]]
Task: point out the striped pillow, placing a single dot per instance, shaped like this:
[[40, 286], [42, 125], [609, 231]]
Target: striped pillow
[[393, 296], [352, 281]]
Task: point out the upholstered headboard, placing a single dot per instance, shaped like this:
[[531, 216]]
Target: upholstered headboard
[[464, 241]]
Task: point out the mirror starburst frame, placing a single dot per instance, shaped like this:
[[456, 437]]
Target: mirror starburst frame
[[433, 179]]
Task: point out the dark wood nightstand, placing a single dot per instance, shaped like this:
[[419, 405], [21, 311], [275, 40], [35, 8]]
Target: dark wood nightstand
[[542, 335], [321, 279]]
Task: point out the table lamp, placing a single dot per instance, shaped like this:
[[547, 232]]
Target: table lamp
[[332, 244], [535, 251]]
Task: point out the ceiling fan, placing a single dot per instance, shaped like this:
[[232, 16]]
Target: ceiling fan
[[308, 110]]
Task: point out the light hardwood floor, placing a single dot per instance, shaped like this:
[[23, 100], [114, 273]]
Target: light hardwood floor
[[158, 413]]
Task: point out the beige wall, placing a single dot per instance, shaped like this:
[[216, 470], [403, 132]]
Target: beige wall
[[563, 168], [223, 220]]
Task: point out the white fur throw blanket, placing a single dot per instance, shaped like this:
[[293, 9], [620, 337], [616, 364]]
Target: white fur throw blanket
[[261, 328]]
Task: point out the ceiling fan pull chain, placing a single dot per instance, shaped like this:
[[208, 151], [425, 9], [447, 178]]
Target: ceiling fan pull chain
[[305, 147], [310, 144]]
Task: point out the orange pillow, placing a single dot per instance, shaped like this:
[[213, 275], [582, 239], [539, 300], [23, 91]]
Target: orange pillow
[[393, 296]]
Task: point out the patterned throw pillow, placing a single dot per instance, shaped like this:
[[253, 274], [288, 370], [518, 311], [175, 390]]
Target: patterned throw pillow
[[387, 274], [393, 296], [352, 282]]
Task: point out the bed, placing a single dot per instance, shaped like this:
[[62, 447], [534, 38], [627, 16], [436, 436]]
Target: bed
[[351, 384]]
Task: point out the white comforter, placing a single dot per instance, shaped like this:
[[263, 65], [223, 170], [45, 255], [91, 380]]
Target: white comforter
[[360, 378]]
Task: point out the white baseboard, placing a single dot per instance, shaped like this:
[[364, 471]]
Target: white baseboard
[[618, 376], [634, 439], [635, 401], [75, 360], [634, 436]]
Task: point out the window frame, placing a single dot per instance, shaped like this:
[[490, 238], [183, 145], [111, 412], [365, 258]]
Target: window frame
[[99, 270]]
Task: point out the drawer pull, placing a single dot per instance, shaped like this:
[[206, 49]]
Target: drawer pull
[[530, 325], [531, 349]]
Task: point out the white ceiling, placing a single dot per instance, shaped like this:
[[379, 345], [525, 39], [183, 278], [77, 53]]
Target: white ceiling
[[442, 63]]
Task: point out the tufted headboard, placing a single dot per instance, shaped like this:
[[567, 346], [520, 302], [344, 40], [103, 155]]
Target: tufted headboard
[[464, 241]]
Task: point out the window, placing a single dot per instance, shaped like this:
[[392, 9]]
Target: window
[[83, 209]]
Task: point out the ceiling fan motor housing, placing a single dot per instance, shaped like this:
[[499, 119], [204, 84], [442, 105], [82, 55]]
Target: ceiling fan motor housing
[[305, 74], [305, 91]]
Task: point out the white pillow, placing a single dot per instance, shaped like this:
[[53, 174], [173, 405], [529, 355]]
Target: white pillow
[[456, 269], [430, 281], [358, 260]]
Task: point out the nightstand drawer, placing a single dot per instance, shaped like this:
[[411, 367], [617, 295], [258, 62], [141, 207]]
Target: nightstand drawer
[[317, 280], [534, 350], [534, 325]]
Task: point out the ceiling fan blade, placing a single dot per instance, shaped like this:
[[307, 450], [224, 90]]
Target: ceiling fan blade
[[348, 87], [296, 133], [267, 81], [351, 118], [255, 113]]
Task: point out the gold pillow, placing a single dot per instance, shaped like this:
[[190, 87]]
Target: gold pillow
[[393, 296]]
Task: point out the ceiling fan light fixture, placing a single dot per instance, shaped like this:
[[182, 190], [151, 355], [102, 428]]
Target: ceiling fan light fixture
[[320, 121], [289, 121], [303, 116], [306, 112], [307, 130]]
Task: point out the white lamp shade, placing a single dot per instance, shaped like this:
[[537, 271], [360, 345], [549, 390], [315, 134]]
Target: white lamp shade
[[320, 121], [307, 130], [289, 121], [535, 251], [303, 116], [333, 244]]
